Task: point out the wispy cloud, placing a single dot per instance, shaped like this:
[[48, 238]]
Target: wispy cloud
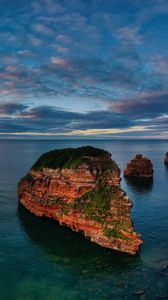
[[111, 131]]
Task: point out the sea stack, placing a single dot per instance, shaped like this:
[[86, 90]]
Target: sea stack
[[80, 188], [166, 159], [139, 168]]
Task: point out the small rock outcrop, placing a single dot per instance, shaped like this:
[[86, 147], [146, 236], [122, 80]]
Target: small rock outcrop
[[166, 159], [139, 168], [80, 188]]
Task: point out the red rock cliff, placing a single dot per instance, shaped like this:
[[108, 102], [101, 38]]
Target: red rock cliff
[[139, 167], [87, 198]]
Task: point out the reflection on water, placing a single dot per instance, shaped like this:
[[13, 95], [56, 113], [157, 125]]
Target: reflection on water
[[166, 169], [104, 274], [67, 247], [140, 185]]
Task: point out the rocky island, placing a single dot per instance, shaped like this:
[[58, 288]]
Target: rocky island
[[139, 168], [80, 188]]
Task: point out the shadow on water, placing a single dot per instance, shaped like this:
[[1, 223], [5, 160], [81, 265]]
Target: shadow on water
[[139, 185], [66, 247], [166, 170]]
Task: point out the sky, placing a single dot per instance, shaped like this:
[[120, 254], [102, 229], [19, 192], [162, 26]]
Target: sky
[[84, 69]]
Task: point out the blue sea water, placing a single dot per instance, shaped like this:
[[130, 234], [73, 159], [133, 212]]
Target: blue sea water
[[40, 260]]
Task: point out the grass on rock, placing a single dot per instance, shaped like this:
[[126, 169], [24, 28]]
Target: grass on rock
[[71, 158]]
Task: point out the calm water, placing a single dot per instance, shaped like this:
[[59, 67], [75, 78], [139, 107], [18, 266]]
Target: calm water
[[42, 261]]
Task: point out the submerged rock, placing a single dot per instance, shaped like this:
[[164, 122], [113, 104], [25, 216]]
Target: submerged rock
[[166, 159], [80, 188], [139, 168]]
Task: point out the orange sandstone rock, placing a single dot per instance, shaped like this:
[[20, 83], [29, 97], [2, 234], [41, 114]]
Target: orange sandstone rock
[[80, 188], [139, 168]]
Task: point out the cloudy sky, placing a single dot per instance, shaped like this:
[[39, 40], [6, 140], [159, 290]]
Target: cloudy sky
[[84, 68]]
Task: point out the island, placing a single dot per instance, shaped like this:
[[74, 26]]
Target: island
[[80, 188], [139, 168]]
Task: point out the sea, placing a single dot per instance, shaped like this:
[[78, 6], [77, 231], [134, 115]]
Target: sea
[[41, 260]]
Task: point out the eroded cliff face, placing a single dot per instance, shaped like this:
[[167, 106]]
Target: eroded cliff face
[[87, 198], [139, 167]]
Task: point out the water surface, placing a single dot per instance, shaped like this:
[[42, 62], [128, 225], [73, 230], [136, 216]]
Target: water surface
[[41, 260]]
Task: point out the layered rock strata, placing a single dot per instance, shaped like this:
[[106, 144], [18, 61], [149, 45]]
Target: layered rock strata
[[80, 188], [139, 168]]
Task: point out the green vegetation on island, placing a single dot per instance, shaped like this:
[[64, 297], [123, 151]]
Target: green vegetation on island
[[96, 205], [71, 158]]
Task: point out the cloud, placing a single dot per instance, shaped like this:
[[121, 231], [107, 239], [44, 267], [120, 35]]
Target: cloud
[[107, 131], [84, 41], [129, 34], [25, 54], [34, 41], [113, 78], [11, 108], [144, 106], [51, 119], [152, 10], [47, 120], [41, 28], [63, 38], [111, 53], [9, 59], [92, 78], [61, 62], [160, 64]]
